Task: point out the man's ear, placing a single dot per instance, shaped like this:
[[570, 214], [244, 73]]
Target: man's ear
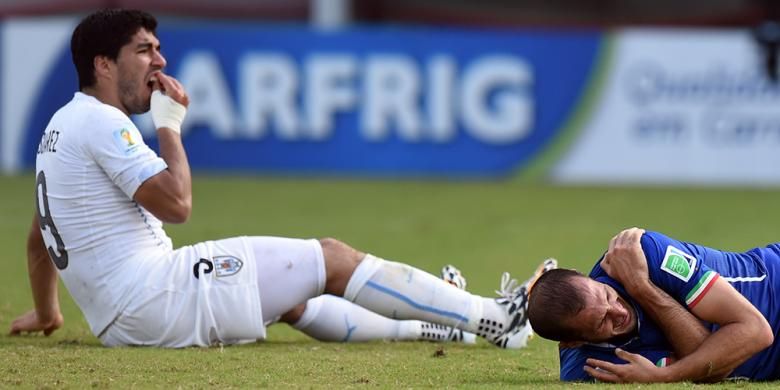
[[570, 344], [102, 67]]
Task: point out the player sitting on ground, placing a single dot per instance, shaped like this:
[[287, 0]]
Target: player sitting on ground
[[102, 196]]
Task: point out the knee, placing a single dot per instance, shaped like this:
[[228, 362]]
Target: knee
[[340, 262], [292, 316], [336, 251]]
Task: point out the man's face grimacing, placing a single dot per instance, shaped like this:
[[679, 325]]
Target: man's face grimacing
[[137, 63], [606, 315]]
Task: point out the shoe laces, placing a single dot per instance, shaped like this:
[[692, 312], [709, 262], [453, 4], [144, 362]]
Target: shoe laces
[[509, 287]]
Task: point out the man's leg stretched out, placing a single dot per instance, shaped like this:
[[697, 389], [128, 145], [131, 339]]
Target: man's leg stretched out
[[331, 318], [223, 291], [397, 290], [334, 319]]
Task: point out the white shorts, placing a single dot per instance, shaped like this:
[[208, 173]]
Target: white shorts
[[219, 292]]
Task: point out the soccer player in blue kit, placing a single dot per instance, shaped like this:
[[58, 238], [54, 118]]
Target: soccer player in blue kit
[[655, 309]]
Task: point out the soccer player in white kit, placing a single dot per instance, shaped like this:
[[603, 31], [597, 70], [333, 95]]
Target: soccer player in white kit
[[102, 196]]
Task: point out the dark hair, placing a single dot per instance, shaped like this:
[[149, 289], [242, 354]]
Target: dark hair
[[103, 33], [554, 300]]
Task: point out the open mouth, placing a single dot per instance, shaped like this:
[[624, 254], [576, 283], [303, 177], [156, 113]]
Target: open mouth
[[624, 321], [619, 325], [151, 82]]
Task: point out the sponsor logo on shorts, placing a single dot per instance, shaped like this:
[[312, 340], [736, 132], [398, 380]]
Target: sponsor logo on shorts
[[227, 265], [678, 263]]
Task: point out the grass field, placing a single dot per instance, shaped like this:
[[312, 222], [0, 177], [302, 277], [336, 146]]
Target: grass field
[[484, 228]]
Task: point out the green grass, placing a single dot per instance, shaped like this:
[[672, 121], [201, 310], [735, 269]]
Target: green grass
[[484, 228]]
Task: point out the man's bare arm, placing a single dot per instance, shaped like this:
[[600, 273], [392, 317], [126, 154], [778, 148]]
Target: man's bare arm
[[46, 316], [682, 329], [168, 194], [743, 332]]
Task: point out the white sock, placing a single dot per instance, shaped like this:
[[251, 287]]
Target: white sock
[[330, 318], [401, 291]]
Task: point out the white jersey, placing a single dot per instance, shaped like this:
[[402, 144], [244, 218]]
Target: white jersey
[[90, 162]]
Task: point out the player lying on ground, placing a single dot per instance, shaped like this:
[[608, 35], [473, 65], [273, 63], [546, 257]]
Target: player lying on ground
[[102, 196], [654, 309]]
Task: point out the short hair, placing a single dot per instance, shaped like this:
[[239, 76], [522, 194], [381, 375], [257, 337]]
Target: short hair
[[103, 33], [554, 300]]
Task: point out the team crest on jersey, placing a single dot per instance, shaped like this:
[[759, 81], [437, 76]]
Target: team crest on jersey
[[128, 140], [679, 263], [227, 265]]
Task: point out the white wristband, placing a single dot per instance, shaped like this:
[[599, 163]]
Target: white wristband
[[167, 112]]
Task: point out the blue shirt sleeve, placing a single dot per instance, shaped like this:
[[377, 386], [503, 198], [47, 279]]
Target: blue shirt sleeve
[[573, 360], [677, 268]]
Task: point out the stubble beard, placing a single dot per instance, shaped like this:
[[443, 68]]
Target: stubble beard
[[131, 99]]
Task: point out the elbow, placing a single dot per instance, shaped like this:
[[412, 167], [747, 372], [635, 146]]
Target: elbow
[[177, 218], [180, 213], [766, 336], [175, 211], [760, 335]]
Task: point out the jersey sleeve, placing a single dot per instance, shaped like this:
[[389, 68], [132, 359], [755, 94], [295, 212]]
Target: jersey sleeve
[[573, 360], [119, 149], [676, 268]]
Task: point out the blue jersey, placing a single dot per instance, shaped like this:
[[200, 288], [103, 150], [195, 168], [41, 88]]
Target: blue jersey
[[686, 271]]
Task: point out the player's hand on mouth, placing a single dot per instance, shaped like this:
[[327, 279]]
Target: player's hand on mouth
[[170, 87]]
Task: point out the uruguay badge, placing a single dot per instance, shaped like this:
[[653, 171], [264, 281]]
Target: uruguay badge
[[226, 265]]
